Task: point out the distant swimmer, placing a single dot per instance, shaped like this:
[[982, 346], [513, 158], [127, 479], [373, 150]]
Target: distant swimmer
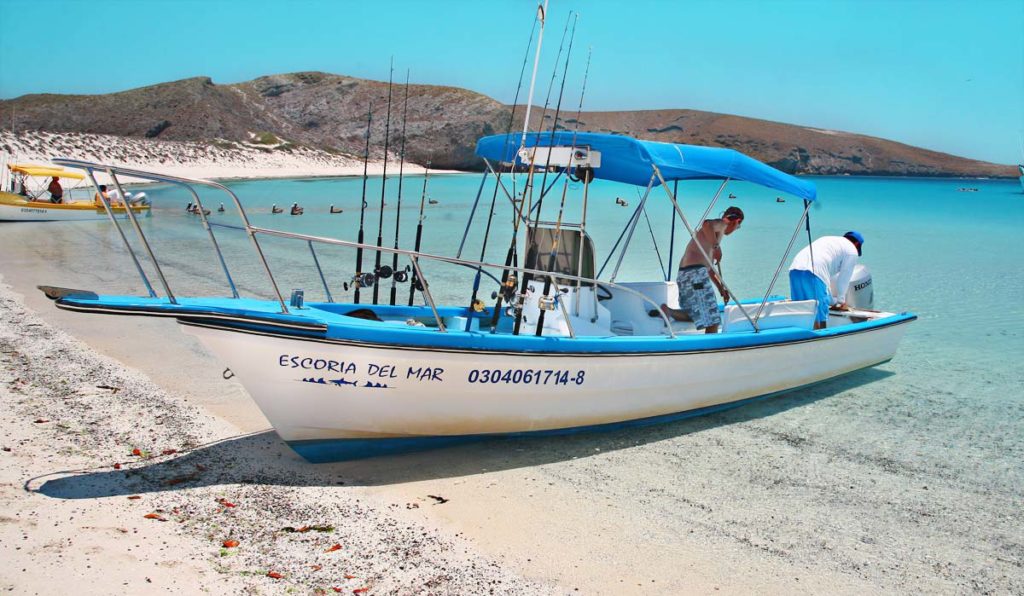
[[275, 209], [732, 196], [621, 202], [296, 210], [221, 208], [336, 209], [780, 200], [433, 201], [189, 207]]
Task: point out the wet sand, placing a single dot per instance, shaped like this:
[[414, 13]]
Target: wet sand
[[808, 493]]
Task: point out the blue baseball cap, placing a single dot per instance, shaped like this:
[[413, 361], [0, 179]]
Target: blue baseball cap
[[853, 235]]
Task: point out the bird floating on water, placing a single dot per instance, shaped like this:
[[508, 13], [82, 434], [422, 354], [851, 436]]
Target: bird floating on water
[[275, 209], [336, 209]]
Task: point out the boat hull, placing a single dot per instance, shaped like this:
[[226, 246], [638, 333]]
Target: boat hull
[[15, 208], [335, 399]]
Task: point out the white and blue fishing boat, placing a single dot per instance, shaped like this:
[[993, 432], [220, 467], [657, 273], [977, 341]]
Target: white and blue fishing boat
[[556, 350]]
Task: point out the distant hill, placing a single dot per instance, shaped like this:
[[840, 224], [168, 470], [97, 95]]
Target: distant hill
[[328, 112]]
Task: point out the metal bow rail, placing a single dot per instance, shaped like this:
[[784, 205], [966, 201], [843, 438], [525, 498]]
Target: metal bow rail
[[252, 231]]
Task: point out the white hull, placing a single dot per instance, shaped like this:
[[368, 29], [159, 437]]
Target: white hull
[[584, 390]]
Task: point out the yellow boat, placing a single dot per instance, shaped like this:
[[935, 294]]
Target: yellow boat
[[19, 202]]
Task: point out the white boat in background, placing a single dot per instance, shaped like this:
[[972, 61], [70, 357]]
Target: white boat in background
[[25, 197]]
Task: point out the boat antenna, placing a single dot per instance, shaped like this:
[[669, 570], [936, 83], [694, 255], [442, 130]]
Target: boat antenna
[[398, 208], [531, 231], [474, 303], [508, 281], [542, 11], [383, 185], [419, 231], [362, 207]]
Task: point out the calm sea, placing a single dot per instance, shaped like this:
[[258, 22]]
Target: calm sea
[[951, 400]]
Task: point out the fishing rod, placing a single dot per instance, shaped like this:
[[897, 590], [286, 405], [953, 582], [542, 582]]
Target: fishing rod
[[397, 275], [383, 185], [419, 233], [358, 278], [474, 302], [586, 177], [531, 232], [561, 208], [509, 282], [508, 290]]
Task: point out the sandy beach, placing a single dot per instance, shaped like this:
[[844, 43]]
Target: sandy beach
[[801, 494], [222, 160]]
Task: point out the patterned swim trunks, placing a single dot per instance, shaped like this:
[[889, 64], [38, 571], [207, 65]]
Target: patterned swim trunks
[[697, 296]]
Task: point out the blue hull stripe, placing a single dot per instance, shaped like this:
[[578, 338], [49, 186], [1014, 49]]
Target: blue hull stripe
[[331, 450]]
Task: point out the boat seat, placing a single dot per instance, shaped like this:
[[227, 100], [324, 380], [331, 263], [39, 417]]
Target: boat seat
[[785, 313]]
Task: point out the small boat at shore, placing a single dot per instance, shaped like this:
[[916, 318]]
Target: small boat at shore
[[22, 202], [561, 349], [562, 346]]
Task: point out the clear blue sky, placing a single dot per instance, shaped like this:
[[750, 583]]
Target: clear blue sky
[[944, 75]]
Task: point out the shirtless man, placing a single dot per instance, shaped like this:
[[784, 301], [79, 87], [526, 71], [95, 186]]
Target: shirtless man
[[697, 301]]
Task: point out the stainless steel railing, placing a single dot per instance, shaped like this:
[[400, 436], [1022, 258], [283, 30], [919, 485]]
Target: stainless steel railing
[[252, 231]]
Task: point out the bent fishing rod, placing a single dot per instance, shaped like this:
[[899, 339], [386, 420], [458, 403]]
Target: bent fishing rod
[[398, 209], [383, 186], [509, 281], [357, 279], [531, 231]]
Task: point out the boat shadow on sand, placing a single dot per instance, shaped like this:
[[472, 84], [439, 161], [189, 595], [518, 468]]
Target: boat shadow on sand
[[262, 458]]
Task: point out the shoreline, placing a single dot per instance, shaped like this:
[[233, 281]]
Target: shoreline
[[192, 159]]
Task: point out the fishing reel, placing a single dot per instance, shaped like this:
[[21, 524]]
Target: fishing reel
[[383, 272], [361, 280], [402, 275], [507, 290]]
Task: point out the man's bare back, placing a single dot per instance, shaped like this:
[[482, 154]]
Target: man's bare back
[[710, 238]]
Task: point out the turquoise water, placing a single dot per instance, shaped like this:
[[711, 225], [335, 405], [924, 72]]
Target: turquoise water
[[951, 257], [917, 464]]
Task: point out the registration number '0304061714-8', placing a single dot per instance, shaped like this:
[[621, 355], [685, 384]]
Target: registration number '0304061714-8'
[[536, 376]]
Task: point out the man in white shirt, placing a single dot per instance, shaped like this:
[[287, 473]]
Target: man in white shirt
[[815, 266]]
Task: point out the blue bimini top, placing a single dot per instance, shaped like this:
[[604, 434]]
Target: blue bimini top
[[629, 160]]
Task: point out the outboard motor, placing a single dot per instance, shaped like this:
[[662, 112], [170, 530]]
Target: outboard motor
[[861, 294]]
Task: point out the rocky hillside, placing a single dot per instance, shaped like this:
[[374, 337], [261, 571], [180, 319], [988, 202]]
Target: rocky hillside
[[328, 112]]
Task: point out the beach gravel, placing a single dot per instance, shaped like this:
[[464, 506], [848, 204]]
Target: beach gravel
[[86, 438]]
